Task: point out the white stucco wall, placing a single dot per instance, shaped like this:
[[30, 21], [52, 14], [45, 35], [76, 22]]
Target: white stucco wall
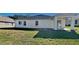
[[31, 24]]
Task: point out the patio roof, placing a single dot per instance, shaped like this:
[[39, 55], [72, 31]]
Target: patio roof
[[66, 14]]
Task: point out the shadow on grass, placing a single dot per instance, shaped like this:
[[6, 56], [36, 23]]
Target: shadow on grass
[[57, 34], [24, 29]]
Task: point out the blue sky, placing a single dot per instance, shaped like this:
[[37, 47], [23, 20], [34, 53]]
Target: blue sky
[[11, 14]]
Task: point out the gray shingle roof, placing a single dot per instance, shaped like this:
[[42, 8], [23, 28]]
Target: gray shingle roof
[[41, 17]]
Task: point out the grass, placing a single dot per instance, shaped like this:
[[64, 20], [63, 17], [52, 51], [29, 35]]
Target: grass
[[39, 37]]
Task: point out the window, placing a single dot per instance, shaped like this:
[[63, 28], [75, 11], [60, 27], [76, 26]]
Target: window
[[36, 23], [75, 21], [12, 24], [24, 23], [19, 22]]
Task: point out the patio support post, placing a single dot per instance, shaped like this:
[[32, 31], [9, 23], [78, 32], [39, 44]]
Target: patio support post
[[63, 24], [72, 23], [55, 23]]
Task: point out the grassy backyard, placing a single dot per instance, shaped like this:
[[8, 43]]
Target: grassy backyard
[[39, 37]]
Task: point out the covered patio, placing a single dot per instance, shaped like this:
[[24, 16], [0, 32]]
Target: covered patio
[[60, 21]]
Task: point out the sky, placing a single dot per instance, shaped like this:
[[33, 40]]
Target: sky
[[11, 14]]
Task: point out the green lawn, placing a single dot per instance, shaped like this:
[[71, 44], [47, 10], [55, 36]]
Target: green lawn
[[39, 37]]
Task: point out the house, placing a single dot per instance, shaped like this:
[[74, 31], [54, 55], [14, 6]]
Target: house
[[6, 22], [56, 22]]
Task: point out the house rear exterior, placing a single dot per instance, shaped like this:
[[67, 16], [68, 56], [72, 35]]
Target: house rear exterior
[[56, 22]]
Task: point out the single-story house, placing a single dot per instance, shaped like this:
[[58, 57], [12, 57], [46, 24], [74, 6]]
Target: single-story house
[[6, 22], [56, 22]]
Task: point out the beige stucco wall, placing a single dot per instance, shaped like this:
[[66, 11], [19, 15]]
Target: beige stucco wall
[[6, 25], [5, 22]]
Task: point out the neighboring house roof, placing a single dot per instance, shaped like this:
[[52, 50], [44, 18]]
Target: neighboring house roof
[[40, 16], [6, 19]]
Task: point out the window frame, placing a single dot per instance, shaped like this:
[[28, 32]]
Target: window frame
[[19, 22], [76, 22], [24, 23], [36, 23]]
